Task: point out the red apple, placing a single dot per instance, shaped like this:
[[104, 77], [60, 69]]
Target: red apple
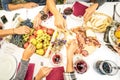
[[44, 29], [31, 37], [35, 33], [50, 31], [26, 45], [37, 28]]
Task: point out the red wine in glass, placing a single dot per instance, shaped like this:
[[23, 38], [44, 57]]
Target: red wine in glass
[[56, 59], [68, 11], [80, 66]]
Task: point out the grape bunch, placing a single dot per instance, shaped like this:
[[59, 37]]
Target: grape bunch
[[17, 40], [27, 22], [25, 37]]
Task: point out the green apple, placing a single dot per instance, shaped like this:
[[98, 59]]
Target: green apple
[[33, 41], [39, 45], [39, 32], [40, 52]]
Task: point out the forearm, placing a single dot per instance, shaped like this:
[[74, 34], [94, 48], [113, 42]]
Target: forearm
[[22, 70], [45, 9], [69, 67], [69, 74], [15, 6], [52, 7], [6, 32]]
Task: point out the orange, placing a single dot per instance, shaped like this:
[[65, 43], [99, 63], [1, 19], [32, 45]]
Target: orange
[[117, 34]]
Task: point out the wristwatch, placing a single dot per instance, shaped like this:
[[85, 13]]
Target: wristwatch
[[44, 16]]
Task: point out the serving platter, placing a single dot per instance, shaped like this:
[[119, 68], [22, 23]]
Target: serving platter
[[87, 41], [98, 22], [40, 37]]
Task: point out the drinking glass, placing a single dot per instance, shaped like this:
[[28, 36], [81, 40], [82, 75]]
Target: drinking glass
[[106, 67], [56, 59], [68, 11], [80, 66]]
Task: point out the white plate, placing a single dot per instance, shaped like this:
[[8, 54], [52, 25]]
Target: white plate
[[8, 65]]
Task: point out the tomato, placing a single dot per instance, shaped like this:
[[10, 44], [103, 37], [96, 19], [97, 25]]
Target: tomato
[[50, 31], [26, 45]]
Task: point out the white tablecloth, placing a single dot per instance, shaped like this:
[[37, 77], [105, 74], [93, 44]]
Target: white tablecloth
[[102, 53]]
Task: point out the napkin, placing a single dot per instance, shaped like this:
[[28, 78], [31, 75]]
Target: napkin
[[78, 9], [29, 73], [56, 74]]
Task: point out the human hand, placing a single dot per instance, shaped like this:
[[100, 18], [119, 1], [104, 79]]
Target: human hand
[[22, 30], [30, 5], [1, 25], [89, 11], [28, 52], [60, 21], [71, 48], [44, 71], [37, 20]]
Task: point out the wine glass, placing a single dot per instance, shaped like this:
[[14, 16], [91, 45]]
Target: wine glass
[[106, 67], [80, 66], [56, 59], [68, 11]]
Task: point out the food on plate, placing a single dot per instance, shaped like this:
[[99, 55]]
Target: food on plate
[[40, 37], [112, 37], [98, 22], [86, 43]]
